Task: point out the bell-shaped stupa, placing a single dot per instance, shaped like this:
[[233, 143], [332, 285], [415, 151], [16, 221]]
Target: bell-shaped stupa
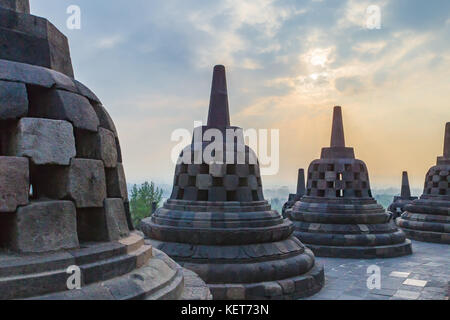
[[218, 224], [294, 197], [64, 213], [397, 207], [338, 217], [428, 218]]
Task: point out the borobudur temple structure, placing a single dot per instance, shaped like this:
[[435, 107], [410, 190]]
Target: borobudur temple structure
[[397, 207], [64, 213], [218, 224], [428, 218], [294, 197], [338, 217]]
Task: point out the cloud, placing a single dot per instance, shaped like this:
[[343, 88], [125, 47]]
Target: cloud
[[110, 42]]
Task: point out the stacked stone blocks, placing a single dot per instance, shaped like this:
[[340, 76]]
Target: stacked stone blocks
[[60, 162]]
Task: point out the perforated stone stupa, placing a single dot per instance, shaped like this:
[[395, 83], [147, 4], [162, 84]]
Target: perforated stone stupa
[[293, 198], [63, 193], [218, 224], [397, 207], [338, 217], [428, 218]]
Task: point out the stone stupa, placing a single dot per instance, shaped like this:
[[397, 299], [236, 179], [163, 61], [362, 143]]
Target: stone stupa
[[218, 224], [338, 217], [63, 194], [293, 198], [428, 218], [397, 207]]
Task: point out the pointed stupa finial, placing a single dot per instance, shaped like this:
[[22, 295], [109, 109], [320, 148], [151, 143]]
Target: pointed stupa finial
[[406, 191], [22, 6], [301, 183], [219, 114], [447, 141], [337, 132]]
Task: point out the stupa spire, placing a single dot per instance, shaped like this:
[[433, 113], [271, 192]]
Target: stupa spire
[[337, 132], [22, 6], [447, 141], [301, 183], [219, 114], [406, 191]]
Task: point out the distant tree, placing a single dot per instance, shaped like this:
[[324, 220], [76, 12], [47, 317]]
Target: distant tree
[[142, 198]]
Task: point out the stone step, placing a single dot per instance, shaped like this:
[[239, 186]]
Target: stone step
[[97, 263], [90, 252]]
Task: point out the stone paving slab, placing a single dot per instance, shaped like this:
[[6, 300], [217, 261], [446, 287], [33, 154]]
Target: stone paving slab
[[425, 275]]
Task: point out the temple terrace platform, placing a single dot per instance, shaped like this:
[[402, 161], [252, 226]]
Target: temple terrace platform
[[425, 275]]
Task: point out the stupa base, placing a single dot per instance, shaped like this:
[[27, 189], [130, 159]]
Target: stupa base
[[355, 252], [240, 272], [288, 289], [123, 270], [427, 236]]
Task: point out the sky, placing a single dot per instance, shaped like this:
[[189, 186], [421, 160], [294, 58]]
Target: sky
[[288, 63]]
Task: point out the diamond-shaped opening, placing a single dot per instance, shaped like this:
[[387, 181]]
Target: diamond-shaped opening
[[243, 182], [202, 195], [204, 169], [231, 196], [217, 182], [192, 181], [183, 168], [231, 169]]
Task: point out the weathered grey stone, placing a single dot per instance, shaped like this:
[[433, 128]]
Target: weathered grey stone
[[103, 224], [104, 118], [116, 220], [13, 100], [83, 182], [204, 181], [14, 183], [45, 142], [45, 226], [64, 105], [33, 40], [116, 182], [99, 146], [16, 5]]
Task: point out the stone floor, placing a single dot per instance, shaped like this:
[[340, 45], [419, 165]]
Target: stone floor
[[425, 275]]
